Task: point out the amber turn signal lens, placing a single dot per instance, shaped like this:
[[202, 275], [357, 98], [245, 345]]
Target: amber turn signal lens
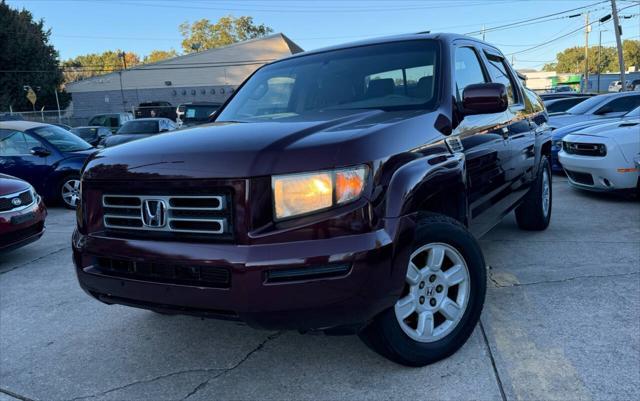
[[349, 184]]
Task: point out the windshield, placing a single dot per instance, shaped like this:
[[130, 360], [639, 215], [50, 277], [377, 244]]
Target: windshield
[[85, 133], [198, 113], [62, 139], [387, 76], [139, 127], [582, 108]]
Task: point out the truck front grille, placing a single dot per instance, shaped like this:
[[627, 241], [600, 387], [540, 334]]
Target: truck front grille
[[207, 215]]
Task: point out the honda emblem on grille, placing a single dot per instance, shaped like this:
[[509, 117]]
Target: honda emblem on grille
[[154, 213]]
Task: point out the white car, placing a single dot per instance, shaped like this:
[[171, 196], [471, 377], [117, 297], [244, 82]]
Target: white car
[[615, 86], [604, 157]]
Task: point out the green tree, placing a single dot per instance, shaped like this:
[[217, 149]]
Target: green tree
[[572, 59], [203, 35], [631, 53], [159, 55], [89, 65], [27, 58]]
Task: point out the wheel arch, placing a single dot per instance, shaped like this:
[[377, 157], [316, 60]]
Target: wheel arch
[[436, 184]]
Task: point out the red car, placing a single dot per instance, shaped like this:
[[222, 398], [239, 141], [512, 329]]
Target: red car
[[22, 213]]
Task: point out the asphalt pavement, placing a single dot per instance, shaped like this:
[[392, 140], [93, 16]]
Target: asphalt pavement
[[561, 321]]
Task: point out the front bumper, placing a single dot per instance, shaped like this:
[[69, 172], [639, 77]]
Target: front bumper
[[31, 227], [603, 171], [377, 266]]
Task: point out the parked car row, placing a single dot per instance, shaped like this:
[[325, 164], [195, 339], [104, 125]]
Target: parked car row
[[597, 143], [630, 85]]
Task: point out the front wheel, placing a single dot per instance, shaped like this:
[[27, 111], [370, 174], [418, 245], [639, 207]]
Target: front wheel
[[440, 305], [69, 191]]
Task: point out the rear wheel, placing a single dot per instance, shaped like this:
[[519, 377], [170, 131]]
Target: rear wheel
[[535, 211], [69, 191], [442, 299]]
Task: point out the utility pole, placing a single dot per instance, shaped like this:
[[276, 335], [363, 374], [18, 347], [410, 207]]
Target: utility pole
[[617, 29], [587, 29], [600, 57], [483, 32], [124, 64]]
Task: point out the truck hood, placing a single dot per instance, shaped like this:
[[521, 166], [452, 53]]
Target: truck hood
[[251, 149]]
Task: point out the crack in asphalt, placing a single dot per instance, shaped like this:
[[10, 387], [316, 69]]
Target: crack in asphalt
[[145, 381], [220, 372], [15, 395], [493, 362], [34, 260], [225, 371], [498, 285]]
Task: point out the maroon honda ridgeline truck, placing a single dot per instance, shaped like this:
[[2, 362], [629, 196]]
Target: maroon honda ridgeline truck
[[337, 190]]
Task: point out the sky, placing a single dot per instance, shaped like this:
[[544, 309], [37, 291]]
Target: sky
[[90, 26]]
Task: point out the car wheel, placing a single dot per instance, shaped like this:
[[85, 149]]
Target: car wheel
[[440, 305], [69, 191], [535, 211]]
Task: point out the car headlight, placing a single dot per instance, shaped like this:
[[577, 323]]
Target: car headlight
[[298, 194]]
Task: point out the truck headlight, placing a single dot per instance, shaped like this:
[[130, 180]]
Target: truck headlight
[[298, 194]]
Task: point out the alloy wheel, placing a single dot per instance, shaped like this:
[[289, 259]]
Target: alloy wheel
[[71, 192], [436, 293], [546, 192]]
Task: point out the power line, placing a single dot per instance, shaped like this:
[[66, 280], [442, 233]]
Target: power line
[[560, 37]]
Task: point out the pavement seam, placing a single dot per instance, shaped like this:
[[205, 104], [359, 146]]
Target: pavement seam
[[15, 395], [34, 260], [493, 362], [498, 285], [225, 371]]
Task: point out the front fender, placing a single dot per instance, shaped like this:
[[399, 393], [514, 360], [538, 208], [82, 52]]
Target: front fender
[[423, 179]]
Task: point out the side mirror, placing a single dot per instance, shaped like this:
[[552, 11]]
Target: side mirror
[[40, 151], [484, 98]]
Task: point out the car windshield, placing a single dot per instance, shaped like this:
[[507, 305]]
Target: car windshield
[[85, 133], [62, 139], [584, 107], [198, 113], [387, 76], [139, 127]]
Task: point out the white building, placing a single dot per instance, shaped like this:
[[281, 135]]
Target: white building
[[209, 75]]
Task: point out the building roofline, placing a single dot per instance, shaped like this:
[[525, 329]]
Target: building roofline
[[290, 44]]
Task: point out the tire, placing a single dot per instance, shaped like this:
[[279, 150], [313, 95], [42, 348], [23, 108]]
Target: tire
[[68, 191], [535, 211], [399, 339]]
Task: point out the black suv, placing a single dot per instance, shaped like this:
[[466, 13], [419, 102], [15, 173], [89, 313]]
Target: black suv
[[340, 190]]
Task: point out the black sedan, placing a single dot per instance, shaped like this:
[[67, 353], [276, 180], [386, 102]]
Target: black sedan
[[138, 129], [92, 134]]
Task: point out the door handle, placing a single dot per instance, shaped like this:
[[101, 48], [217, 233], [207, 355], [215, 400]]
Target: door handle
[[505, 133]]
